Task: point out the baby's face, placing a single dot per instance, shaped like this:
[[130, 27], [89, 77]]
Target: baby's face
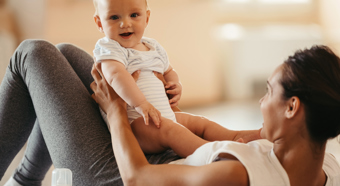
[[123, 20]]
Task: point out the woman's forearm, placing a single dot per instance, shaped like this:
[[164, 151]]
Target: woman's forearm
[[129, 156]]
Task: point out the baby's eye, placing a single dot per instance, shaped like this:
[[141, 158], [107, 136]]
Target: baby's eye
[[114, 17], [134, 15]]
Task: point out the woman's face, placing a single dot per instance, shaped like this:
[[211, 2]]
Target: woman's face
[[273, 107]]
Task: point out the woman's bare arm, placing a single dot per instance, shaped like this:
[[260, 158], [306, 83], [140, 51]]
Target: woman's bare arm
[[133, 166]]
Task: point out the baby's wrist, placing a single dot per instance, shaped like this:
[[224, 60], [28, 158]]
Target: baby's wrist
[[140, 104]]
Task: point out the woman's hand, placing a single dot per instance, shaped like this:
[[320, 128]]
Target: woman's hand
[[161, 77], [174, 91], [103, 94]]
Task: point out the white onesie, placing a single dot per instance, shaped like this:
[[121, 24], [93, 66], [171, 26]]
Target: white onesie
[[155, 59], [260, 161]]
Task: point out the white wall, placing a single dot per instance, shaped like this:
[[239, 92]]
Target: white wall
[[330, 20], [184, 29], [30, 15], [250, 59]]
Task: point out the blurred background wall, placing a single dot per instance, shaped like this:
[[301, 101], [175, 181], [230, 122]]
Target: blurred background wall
[[223, 50]]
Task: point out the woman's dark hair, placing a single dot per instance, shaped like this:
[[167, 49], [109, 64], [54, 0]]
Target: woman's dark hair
[[313, 75]]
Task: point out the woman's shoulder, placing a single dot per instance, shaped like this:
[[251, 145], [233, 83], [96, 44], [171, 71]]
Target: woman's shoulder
[[331, 168], [208, 152], [257, 157]]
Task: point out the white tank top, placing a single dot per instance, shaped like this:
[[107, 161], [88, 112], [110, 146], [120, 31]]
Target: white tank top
[[258, 157]]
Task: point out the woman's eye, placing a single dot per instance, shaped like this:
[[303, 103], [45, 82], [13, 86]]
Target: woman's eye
[[114, 17], [134, 15]]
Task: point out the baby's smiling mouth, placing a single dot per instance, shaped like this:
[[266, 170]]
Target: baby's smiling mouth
[[126, 34]]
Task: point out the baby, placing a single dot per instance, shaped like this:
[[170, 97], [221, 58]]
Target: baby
[[124, 51]]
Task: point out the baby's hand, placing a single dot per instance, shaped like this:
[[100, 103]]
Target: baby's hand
[[174, 89], [146, 109]]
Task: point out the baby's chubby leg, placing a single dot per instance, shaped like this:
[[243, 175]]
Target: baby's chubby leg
[[211, 131], [170, 135]]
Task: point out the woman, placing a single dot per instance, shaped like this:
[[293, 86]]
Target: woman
[[300, 112], [46, 90]]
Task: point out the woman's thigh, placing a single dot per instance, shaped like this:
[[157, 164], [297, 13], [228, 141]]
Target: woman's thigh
[[70, 122], [56, 83]]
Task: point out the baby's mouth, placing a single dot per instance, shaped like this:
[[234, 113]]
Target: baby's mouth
[[126, 34]]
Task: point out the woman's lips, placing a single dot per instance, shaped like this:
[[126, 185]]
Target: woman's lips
[[126, 35]]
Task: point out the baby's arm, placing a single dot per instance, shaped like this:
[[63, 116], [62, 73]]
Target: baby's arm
[[173, 86], [123, 83]]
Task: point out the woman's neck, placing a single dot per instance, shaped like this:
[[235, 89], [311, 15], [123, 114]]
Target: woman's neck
[[302, 160]]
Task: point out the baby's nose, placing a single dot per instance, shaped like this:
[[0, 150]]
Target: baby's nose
[[125, 23]]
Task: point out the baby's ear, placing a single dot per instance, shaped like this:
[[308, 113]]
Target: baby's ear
[[98, 23], [147, 16]]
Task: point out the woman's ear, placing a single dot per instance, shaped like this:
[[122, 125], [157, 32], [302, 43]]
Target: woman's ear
[[293, 107], [98, 23]]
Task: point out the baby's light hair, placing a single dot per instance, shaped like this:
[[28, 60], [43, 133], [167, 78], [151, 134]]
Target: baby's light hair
[[95, 7], [95, 3]]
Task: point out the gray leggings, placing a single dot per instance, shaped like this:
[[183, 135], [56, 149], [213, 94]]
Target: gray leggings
[[45, 95]]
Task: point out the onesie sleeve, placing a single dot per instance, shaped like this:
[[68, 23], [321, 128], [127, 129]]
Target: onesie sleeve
[[161, 51], [110, 49]]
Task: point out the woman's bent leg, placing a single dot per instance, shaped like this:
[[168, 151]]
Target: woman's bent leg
[[69, 119], [17, 117], [74, 131], [36, 161]]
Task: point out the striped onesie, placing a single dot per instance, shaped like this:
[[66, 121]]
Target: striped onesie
[[155, 59]]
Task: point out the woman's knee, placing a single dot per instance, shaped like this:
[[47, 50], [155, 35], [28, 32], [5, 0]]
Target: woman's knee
[[77, 57], [32, 48], [71, 51], [27, 50], [65, 48], [34, 45]]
